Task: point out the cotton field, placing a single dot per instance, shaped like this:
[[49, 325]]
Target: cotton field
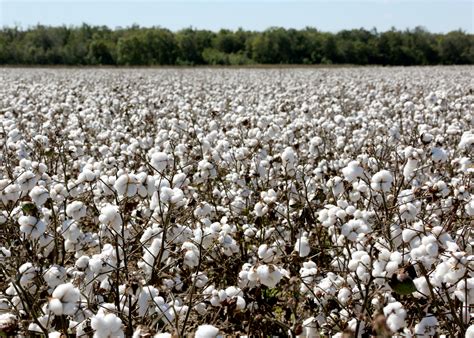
[[237, 202]]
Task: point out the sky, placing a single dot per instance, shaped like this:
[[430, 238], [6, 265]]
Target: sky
[[439, 16]]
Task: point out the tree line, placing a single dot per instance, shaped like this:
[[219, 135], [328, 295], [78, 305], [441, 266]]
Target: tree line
[[100, 45]]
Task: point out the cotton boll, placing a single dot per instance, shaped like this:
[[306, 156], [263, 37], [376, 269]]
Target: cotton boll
[[427, 326], [288, 158], [180, 180], [302, 246], [439, 155], [82, 262], [107, 325], [110, 217], [206, 331], [337, 185], [39, 195], [86, 175], [8, 323], [470, 329], [269, 275], [64, 299], [266, 253], [191, 254], [395, 316], [353, 171], [32, 226], [382, 181], [159, 161], [54, 276], [409, 169], [76, 210], [126, 185]]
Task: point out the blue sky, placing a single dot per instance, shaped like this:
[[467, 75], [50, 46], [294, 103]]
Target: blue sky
[[435, 15]]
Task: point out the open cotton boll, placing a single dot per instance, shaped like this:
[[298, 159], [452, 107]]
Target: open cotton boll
[[159, 161], [107, 326], [86, 175], [54, 276], [32, 226], [64, 300], [180, 180], [395, 316], [470, 331], [173, 196], [110, 216], [302, 246], [269, 275], [288, 158], [382, 181], [439, 155], [266, 253], [8, 323], [126, 185], [409, 168], [206, 331], [76, 210], [39, 195], [191, 254], [352, 171], [467, 140], [427, 326]]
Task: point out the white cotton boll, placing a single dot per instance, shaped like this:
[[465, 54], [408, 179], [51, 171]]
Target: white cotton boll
[[191, 256], [145, 300], [409, 168], [408, 212], [310, 328], [86, 175], [39, 195], [337, 185], [269, 275], [206, 331], [64, 299], [439, 155], [469, 207], [288, 157], [173, 196], [180, 180], [470, 329], [467, 140], [110, 217], [76, 210], [395, 316], [32, 226], [82, 262], [302, 246], [352, 171], [344, 295], [200, 308], [159, 161], [126, 185], [55, 334], [240, 303], [56, 306], [265, 253], [107, 325], [54, 276], [422, 287], [382, 181], [260, 209], [26, 181], [427, 326]]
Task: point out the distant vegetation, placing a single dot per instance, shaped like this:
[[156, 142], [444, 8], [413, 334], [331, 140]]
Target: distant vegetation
[[100, 45]]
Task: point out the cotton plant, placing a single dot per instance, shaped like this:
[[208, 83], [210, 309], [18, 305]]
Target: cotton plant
[[172, 202]]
